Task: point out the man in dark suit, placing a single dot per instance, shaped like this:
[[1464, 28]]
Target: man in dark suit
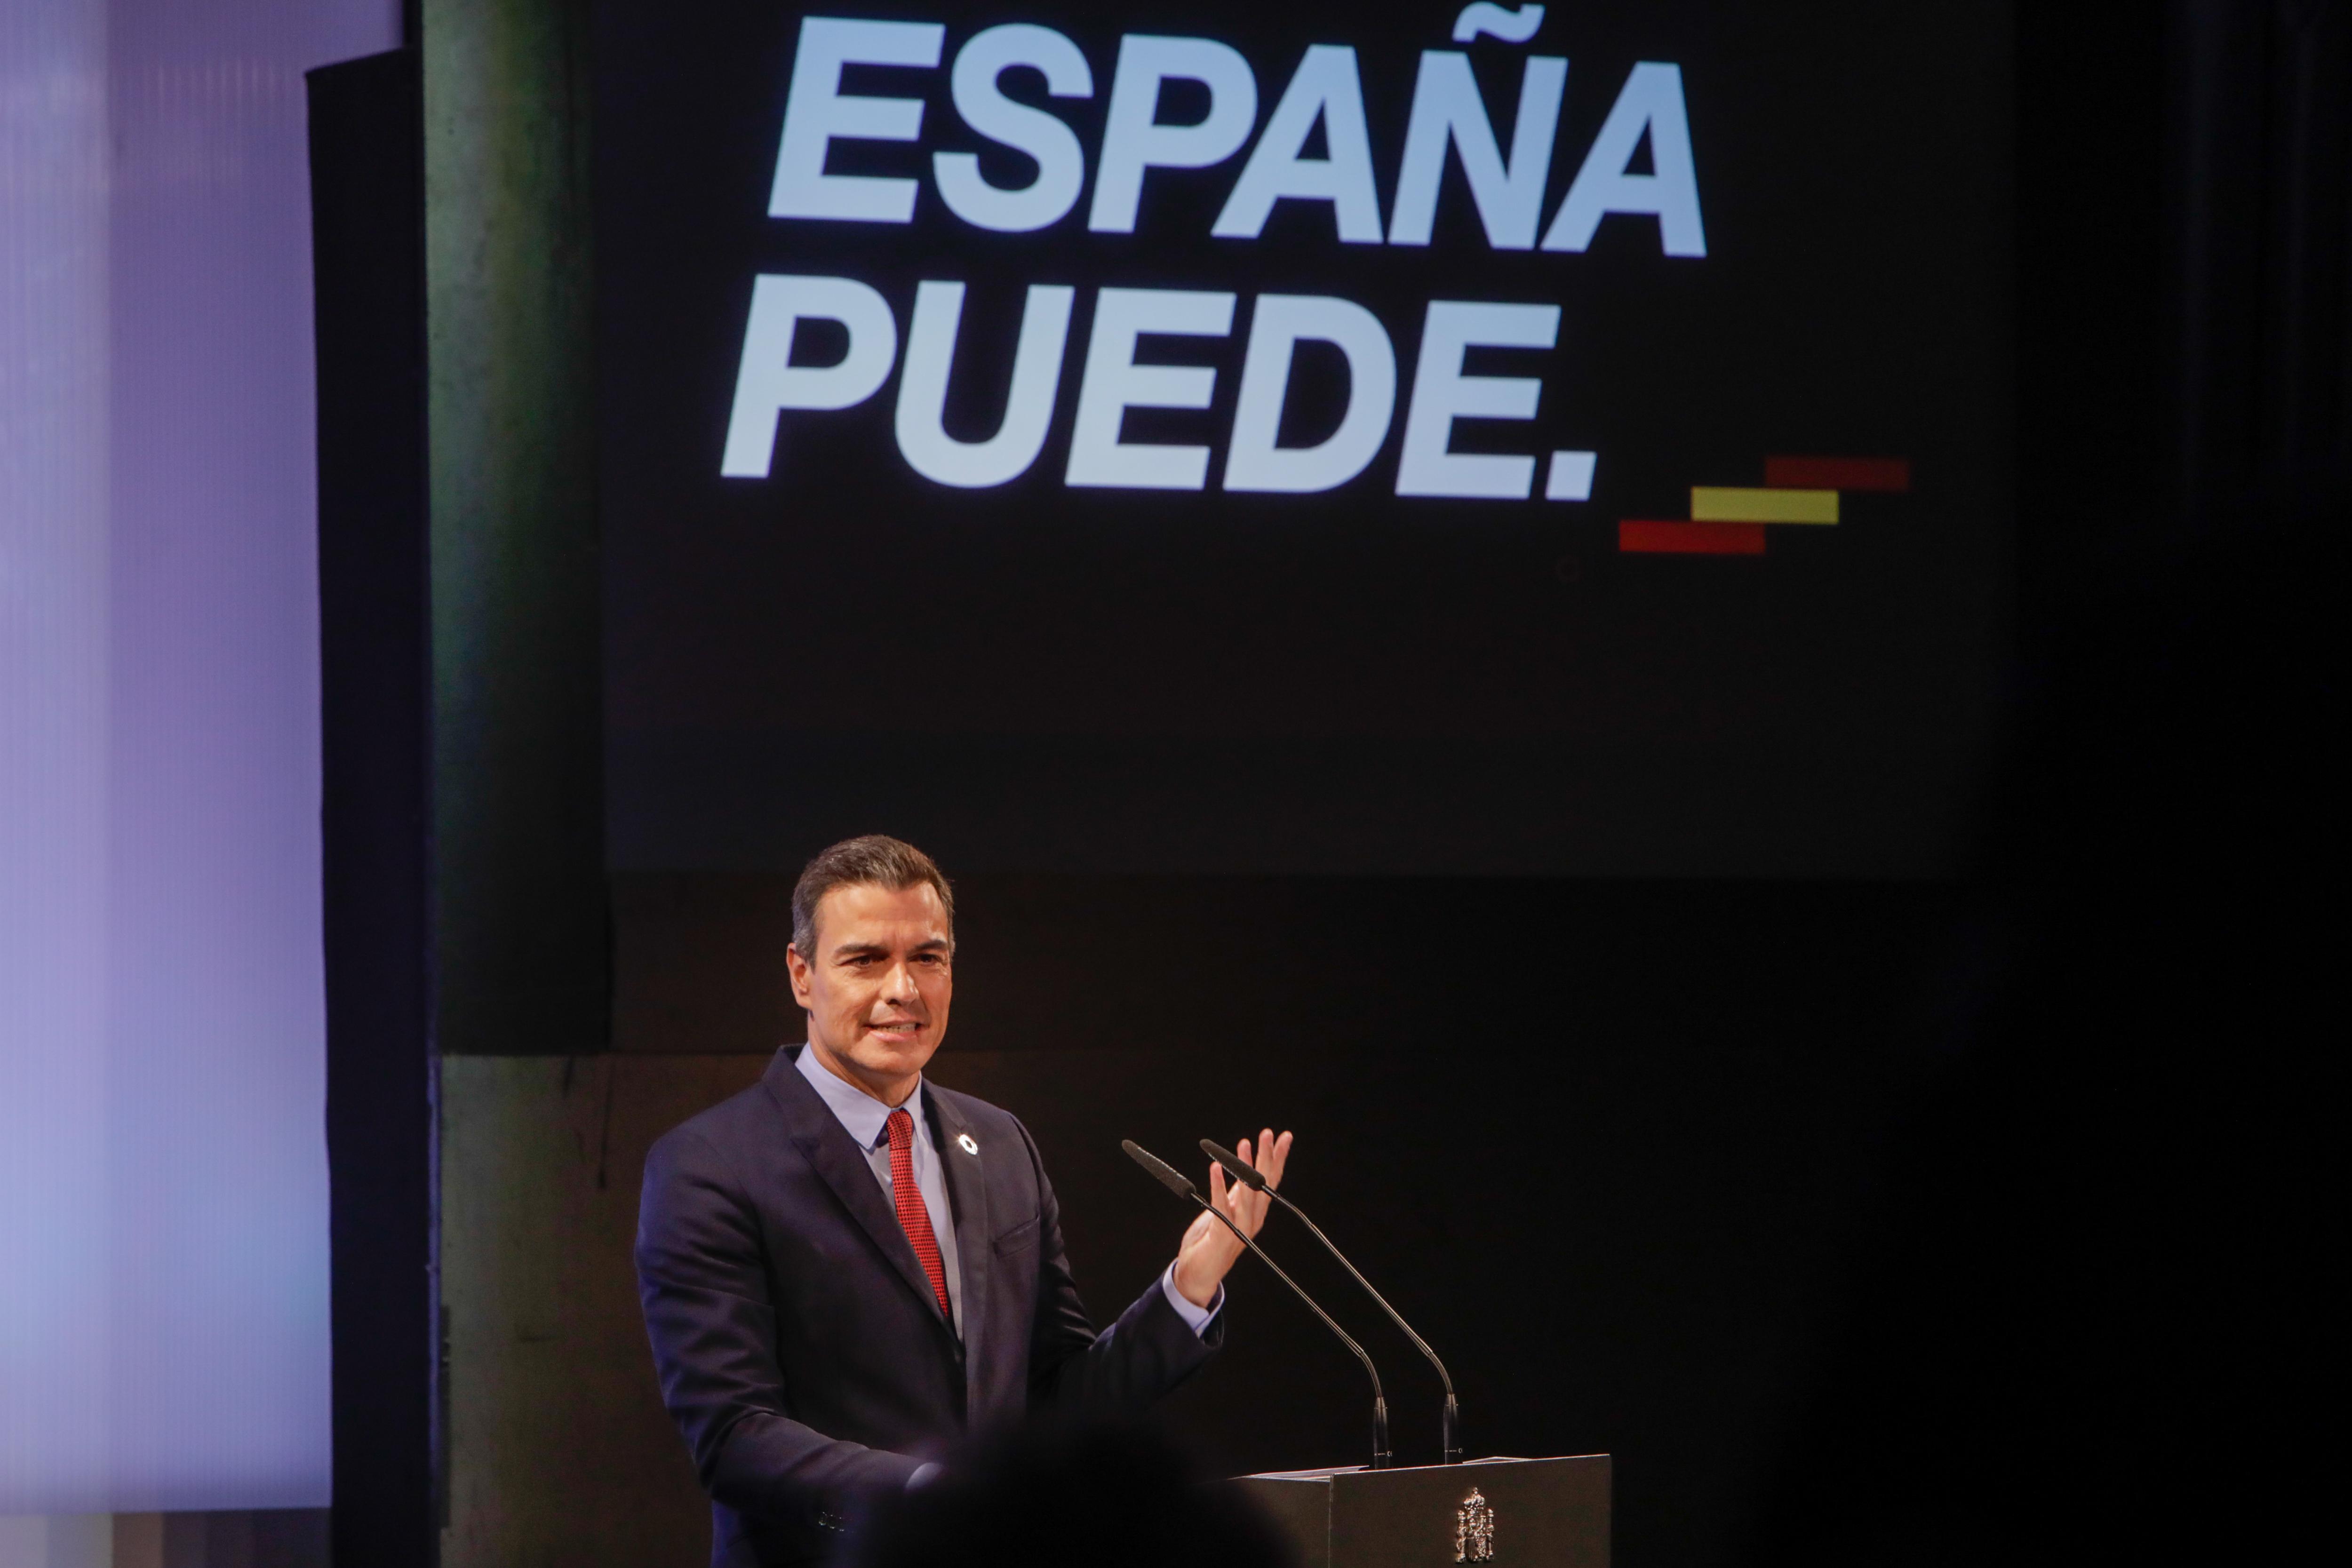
[[843, 1267]]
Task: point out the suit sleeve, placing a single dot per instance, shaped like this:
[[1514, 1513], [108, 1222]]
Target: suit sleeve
[[1138, 1360], [702, 1277]]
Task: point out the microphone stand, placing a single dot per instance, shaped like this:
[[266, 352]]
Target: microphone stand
[[1176, 1181], [1251, 1178]]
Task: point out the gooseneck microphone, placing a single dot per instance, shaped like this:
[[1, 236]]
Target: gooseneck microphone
[[1176, 1181], [1249, 1176]]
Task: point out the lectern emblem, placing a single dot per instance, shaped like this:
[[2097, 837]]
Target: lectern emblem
[[1473, 1529]]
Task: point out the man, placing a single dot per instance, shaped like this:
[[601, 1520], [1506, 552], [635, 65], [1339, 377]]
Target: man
[[843, 1267]]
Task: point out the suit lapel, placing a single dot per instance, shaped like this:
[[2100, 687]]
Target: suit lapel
[[968, 1191], [835, 1156]]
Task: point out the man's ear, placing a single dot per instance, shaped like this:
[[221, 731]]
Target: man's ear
[[797, 969]]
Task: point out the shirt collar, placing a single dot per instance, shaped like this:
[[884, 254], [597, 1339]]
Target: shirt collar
[[859, 1113]]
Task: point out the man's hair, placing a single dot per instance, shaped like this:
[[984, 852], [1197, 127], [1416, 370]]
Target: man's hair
[[875, 860]]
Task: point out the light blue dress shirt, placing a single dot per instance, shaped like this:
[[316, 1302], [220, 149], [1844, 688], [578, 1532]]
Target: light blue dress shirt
[[867, 1122]]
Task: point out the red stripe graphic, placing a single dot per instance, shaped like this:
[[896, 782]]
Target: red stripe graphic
[[1838, 472], [1690, 538]]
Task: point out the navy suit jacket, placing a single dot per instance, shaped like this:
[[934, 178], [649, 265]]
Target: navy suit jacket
[[800, 1349]]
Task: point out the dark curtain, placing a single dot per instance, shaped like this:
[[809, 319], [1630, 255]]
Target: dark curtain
[[2090, 1320]]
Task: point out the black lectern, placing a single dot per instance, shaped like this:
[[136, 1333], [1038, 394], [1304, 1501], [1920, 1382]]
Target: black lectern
[[1514, 1513]]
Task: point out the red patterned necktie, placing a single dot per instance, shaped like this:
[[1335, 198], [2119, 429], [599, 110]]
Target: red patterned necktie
[[913, 1218]]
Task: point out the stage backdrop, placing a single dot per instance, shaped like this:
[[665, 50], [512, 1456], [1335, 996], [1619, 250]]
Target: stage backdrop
[[1312, 438], [1230, 482]]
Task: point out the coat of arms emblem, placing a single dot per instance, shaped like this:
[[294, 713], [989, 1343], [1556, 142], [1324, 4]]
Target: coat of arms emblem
[[1473, 1529]]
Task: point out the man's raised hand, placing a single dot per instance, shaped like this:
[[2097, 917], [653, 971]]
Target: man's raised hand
[[1210, 1250]]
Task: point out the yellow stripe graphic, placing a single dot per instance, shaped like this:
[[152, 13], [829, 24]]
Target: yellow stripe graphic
[[1727, 504]]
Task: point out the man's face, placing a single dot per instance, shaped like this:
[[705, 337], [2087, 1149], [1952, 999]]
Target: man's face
[[877, 989]]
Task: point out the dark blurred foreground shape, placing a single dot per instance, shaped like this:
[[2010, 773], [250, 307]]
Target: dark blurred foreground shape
[[2095, 1316], [1070, 1497]]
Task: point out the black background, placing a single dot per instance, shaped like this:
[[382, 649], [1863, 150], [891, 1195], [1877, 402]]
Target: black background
[[1033, 678]]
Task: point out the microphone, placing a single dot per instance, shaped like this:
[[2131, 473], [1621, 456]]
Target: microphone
[[1249, 1176], [1177, 1182]]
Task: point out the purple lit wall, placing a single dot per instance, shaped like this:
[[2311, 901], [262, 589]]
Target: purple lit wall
[[163, 1164]]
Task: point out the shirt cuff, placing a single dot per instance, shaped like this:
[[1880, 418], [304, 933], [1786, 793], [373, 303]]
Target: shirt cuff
[[1195, 1317]]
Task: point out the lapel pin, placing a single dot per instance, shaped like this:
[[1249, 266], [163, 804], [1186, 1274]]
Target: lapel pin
[[969, 1146]]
